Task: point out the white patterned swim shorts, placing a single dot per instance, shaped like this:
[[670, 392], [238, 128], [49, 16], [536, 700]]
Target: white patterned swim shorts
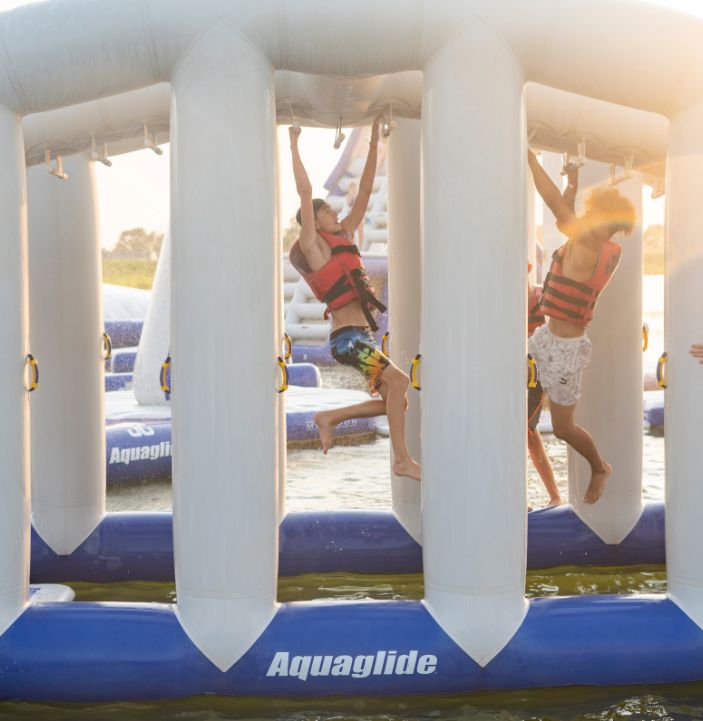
[[560, 363]]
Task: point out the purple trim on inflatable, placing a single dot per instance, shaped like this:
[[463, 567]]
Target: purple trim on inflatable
[[117, 381], [140, 449], [139, 546], [123, 360], [124, 333], [89, 652]]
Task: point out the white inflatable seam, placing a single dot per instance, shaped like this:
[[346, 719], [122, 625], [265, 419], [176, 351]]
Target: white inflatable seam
[[510, 50], [452, 41], [237, 31], [192, 44]]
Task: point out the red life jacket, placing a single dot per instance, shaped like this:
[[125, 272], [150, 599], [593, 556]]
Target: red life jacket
[[342, 279], [574, 300], [535, 316]]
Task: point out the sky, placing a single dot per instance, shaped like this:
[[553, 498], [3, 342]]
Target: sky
[[134, 192]]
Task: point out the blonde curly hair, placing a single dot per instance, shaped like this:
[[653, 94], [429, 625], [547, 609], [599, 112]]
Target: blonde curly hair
[[607, 206]]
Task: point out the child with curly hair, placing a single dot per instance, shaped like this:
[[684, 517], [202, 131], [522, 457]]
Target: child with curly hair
[[580, 270]]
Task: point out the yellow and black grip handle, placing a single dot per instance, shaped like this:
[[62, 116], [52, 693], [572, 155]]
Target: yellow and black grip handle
[[288, 345], [413, 372], [531, 372], [34, 368], [284, 371], [661, 366], [107, 346], [384, 343], [645, 337], [163, 375]]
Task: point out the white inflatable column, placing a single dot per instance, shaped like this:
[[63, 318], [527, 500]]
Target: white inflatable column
[[224, 344], [684, 394], [14, 419], [611, 405], [65, 295], [155, 341], [281, 427], [405, 297], [474, 342]]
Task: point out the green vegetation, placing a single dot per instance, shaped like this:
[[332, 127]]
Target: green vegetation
[[135, 273], [132, 261]]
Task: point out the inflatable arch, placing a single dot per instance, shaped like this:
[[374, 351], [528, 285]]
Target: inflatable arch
[[234, 69]]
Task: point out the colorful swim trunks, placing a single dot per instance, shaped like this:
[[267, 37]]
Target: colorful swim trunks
[[355, 346]]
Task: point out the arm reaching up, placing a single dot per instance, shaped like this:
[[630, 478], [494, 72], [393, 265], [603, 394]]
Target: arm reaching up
[[308, 233], [550, 193], [358, 210], [569, 194]]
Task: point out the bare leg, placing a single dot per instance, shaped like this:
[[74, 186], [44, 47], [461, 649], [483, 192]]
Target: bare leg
[[543, 466], [327, 420], [394, 388], [580, 440]]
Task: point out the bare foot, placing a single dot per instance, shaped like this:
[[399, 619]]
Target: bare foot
[[553, 503], [408, 468], [597, 485], [325, 427]]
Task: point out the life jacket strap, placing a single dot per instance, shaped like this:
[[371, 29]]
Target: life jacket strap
[[367, 297], [339, 288], [345, 249]]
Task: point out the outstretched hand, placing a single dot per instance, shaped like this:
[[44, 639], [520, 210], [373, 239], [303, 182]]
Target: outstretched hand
[[294, 133], [374, 128]]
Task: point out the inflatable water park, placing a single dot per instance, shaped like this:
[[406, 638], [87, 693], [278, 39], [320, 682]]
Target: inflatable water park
[[464, 87], [137, 342]]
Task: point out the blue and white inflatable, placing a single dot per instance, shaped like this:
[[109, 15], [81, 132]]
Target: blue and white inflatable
[[138, 437], [484, 76]]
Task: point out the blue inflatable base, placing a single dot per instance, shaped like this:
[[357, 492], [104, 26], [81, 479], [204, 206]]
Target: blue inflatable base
[[307, 353], [654, 414], [124, 333], [117, 381], [140, 450], [122, 360], [89, 652], [139, 546], [305, 375]]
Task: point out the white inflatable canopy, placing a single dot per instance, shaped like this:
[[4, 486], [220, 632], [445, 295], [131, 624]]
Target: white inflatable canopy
[[319, 85], [63, 52], [216, 76], [556, 120], [322, 85]]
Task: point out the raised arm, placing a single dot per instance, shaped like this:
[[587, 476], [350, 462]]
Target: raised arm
[[550, 193], [358, 210], [304, 188], [569, 194]]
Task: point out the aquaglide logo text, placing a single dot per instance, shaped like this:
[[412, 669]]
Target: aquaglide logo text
[[382, 663]]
